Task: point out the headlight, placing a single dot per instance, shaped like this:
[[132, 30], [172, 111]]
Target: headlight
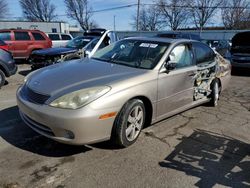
[[78, 99]]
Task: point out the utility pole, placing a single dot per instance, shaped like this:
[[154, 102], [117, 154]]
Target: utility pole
[[138, 15], [114, 23]]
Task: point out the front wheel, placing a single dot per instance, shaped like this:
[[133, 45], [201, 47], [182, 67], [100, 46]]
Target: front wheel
[[215, 94], [129, 123], [2, 78]]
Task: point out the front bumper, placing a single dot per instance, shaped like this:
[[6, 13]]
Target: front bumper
[[76, 127]]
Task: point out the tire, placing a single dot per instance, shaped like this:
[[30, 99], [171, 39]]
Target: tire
[[129, 123], [2, 78], [215, 94]]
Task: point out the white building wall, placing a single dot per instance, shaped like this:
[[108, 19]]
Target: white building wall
[[48, 27]]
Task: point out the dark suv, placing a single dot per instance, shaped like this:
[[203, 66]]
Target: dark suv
[[7, 65], [240, 50], [22, 42]]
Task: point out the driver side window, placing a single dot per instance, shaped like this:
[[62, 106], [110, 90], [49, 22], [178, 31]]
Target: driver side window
[[182, 56]]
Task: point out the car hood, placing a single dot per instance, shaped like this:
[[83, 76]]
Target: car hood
[[54, 51], [66, 77]]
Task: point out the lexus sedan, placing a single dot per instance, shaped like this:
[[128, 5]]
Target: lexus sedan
[[120, 89]]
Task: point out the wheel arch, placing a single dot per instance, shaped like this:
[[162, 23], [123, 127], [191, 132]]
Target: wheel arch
[[148, 108], [4, 69]]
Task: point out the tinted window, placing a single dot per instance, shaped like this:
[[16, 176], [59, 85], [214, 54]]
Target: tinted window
[[5, 36], [54, 37], [38, 36], [181, 55], [66, 37], [22, 36], [204, 54]]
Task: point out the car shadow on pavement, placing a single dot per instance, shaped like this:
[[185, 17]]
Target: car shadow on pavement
[[16, 133], [213, 158]]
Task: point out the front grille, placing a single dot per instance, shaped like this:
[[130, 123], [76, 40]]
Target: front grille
[[38, 126], [34, 97]]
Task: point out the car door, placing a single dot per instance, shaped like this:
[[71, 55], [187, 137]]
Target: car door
[[56, 40], [206, 70], [22, 42], [40, 40], [176, 88]]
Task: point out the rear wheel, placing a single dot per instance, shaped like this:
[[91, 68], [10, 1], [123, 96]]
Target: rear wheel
[[2, 78], [129, 123], [215, 94]]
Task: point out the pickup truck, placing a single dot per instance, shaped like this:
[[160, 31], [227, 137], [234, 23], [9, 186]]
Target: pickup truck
[[77, 48]]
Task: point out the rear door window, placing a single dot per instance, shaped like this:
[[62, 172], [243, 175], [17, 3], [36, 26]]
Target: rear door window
[[54, 36], [38, 36], [203, 53], [5, 36], [66, 37], [21, 35]]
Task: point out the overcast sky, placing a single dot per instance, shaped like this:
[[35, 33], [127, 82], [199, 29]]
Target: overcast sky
[[103, 19]]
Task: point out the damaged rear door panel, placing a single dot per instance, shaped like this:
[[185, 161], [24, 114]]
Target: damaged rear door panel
[[210, 66]]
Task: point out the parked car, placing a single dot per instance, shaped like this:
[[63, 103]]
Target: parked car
[[179, 35], [76, 48], [22, 42], [121, 88], [7, 65], [240, 50], [221, 46], [59, 39]]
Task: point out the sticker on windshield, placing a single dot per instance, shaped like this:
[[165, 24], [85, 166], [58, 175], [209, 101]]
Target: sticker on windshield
[[148, 45], [87, 40]]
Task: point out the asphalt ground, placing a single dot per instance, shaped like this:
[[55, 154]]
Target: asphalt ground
[[202, 147]]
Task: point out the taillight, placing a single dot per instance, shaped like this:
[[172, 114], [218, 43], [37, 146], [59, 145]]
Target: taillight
[[5, 48]]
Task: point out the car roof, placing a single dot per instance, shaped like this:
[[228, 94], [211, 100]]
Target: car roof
[[160, 39], [27, 30]]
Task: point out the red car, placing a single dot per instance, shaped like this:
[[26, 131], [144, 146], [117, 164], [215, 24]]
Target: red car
[[22, 42]]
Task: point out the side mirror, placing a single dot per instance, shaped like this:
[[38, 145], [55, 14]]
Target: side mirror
[[170, 65]]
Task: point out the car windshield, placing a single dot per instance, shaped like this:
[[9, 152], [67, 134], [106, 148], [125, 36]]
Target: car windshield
[[134, 53], [79, 42]]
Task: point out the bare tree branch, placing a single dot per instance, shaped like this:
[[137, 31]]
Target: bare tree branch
[[3, 8], [205, 11], [80, 11], [38, 10], [174, 15], [236, 17], [149, 19]]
